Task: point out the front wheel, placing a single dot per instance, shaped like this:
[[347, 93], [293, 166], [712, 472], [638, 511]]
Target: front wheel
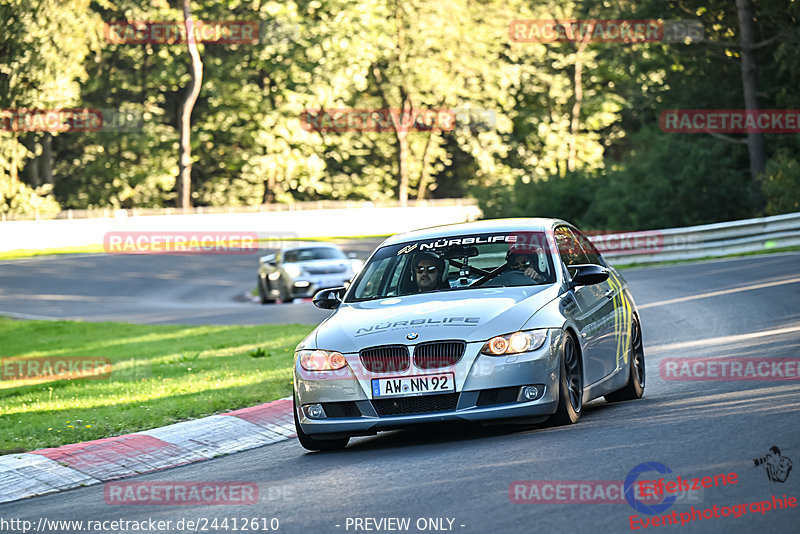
[[263, 292], [634, 389], [570, 385], [315, 444]]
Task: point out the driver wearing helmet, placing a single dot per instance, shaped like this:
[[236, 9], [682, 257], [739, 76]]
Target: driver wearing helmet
[[428, 269]]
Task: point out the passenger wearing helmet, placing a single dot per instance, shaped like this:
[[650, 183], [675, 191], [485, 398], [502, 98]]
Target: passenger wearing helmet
[[525, 259]]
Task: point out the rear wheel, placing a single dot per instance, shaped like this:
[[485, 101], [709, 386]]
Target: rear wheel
[[634, 389], [316, 444], [570, 385]]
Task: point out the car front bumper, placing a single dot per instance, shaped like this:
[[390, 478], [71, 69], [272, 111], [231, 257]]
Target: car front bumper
[[308, 287], [487, 389]]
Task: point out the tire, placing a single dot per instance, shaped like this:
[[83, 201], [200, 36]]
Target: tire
[[262, 293], [570, 384], [315, 444], [634, 389], [283, 294]]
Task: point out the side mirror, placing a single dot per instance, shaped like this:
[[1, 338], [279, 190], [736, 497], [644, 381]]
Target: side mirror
[[269, 259], [587, 275], [329, 299]]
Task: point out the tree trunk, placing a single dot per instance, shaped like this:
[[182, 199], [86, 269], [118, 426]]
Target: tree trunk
[[576, 107], [402, 159], [269, 188], [755, 140], [424, 175], [32, 167], [402, 134], [47, 158], [185, 121]]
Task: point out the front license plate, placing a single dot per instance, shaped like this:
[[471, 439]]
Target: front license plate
[[413, 385]]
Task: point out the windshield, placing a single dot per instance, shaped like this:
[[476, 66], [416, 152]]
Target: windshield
[[312, 253], [455, 263]]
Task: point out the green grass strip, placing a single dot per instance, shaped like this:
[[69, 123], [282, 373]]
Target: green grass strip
[[29, 253], [160, 374]]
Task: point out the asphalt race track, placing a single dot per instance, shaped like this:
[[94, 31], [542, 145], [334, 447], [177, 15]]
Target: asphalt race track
[[164, 289], [744, 307]]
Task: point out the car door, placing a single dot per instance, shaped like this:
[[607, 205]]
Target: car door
[[610, 294], [622, 310], [594, 311]]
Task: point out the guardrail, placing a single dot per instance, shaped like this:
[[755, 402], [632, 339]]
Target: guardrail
[[268, 225], [107, 213], [704, 241], [366, 218]]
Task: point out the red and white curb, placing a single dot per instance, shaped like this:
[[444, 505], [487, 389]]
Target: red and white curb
[[82, 464]]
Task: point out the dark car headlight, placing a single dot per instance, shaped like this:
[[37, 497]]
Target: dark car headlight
[[514, 343], [321, 360]]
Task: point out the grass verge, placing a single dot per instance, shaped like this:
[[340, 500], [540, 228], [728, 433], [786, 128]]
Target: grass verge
[[30, 253], [159, 375]]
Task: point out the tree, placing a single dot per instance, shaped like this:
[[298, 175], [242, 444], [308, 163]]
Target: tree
[[41, 67], [185, 120], [755, 140]]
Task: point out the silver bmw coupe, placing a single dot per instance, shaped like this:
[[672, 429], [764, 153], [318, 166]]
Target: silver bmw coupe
[[506, 320]]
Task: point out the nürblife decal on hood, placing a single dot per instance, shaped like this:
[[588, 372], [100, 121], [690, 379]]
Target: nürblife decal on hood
[[449, 242], [421, 322]]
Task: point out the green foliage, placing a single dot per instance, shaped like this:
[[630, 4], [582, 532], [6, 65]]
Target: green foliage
[[259, 353], [670, 180], [568, 197], [19, 199], [666, 181], [781, 184], [575, 134]]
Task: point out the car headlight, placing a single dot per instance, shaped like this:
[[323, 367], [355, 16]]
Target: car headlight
[[514, 343], [292, 270], [321, 360]]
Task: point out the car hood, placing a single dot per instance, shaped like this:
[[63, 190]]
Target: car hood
[[321, 266], [471, 315]]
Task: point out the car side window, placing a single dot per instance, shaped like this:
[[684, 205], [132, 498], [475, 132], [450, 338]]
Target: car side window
[[569, 249], [395, 281], [588, 247], [374, 275]]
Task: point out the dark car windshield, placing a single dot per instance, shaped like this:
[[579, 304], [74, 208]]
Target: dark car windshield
[[312, 253], [455, 263]]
